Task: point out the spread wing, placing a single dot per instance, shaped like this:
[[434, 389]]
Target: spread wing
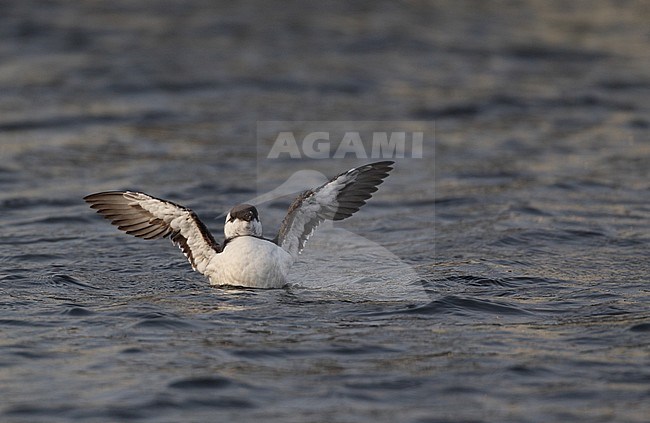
[[147, 217], [336, 200]]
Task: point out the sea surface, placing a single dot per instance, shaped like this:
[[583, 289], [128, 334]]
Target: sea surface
[[504, 276]]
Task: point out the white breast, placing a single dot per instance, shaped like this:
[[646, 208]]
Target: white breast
[[250, 262]]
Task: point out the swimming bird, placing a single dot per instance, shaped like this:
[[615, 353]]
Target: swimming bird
[[245, 258]]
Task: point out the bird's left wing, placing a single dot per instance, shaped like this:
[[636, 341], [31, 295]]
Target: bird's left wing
[[338, 199], [147, 217]]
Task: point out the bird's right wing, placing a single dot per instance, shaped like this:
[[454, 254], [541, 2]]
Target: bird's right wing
[[335, 200], [147, 217]]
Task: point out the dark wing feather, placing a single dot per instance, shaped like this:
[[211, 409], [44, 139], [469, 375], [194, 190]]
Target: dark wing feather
[[338, 199], [147, 217]]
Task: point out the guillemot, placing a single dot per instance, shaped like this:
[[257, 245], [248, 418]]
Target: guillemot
[[245, 258]]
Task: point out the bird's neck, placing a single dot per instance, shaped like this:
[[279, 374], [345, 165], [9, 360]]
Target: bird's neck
[[241, 227]]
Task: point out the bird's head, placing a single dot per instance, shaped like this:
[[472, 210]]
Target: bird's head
[[242, 220]]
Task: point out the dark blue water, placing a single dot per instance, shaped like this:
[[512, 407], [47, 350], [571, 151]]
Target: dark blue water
[[502, 277]]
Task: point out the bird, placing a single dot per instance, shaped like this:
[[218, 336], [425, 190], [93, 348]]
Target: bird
[[245, 258]]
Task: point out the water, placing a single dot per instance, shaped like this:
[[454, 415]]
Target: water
[[509, 282]]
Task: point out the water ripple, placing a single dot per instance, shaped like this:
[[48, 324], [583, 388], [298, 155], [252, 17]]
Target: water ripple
[[641, 327], [463, 306], [202, 382], [67, 280]]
